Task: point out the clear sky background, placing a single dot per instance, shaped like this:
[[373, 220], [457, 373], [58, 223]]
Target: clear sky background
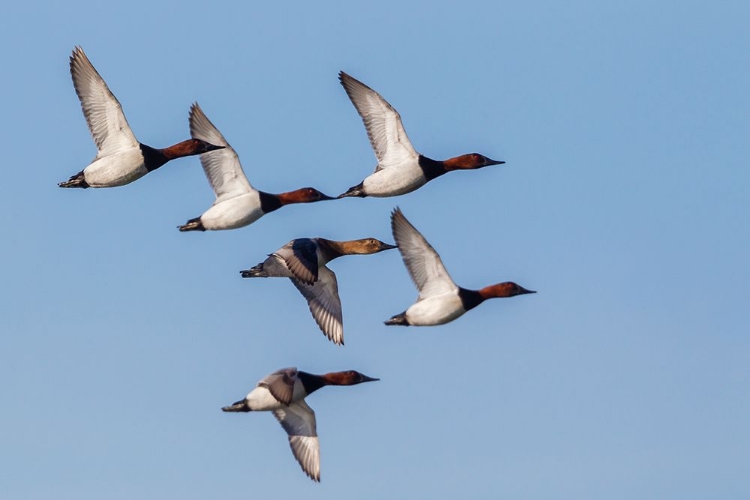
[[624, 201]]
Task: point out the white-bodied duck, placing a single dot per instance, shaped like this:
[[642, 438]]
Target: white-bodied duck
[[120, 158], [304, 260], [283, 392], [400, 168], [237, 202], [440, 299]]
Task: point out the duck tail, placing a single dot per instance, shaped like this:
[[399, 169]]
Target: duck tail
[[357, 190], [76, 181], [192, 225], [254, 272], [399, 319], [239, 406]]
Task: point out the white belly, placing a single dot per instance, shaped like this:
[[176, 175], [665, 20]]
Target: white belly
[[116, 170], [260, 399], [394, 181], [435, 310], [233, 213]]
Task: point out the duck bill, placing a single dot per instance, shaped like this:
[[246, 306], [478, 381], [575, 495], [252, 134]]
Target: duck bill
[[365, 378], [523, 291], [387, 246], [493, 162], [325, 197]]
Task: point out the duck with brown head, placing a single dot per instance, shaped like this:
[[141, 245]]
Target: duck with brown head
[[440, 299], [283, 392], [237, 203], [400, 168], [304, 260], [120, 158]]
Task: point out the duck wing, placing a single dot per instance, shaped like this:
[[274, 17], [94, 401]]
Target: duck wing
[[221, 166], [301, 257], [421, 260], [383, 123], [281, 384], [325, 304], [298, 420], [103, 112]]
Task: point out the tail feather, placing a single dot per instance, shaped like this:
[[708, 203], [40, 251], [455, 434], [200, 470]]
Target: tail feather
[[192, 225], [254, 272], [75, 181], [399, 319]]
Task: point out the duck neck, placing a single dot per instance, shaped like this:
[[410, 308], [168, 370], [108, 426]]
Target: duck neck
[[311, 382], [153, 158], [470, 298], [431, 168], [269, 202], [332, 249]]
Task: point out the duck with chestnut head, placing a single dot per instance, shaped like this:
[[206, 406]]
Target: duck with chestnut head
[[120, 158], [440, 299], [400, 168], [237, 203], [283, 392], [304, 260]]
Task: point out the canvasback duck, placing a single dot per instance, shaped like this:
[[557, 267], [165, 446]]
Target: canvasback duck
[[304, 262], [400, 168], [440, 299], [237, 202], [120, 158], [283, 392]]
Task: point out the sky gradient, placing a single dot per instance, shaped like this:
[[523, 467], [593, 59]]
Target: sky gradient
[[624, 202]]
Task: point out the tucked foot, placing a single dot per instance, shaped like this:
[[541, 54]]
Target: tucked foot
[[399, 319], [254, 272], [238, 406], [357, 190], [193, 225], [76, 181]]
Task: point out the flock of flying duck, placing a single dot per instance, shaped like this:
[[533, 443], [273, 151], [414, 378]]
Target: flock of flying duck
[[122, 159]]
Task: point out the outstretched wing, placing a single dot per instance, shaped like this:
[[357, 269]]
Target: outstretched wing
[[383, 123], [324, 303], [222, 166], [298, 420], [102, 110], [421, 260]]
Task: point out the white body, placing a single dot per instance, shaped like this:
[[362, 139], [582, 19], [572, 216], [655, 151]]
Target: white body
[[234, 212], [261, 399], [394, 181], [116, 169], [436, 310]]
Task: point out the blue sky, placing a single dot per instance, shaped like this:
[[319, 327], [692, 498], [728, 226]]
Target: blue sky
[[623, 202]]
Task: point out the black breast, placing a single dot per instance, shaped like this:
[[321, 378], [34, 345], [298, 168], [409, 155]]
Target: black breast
[[431, 168], [152, 158], [469, 298], [310, 382], [269, 202]]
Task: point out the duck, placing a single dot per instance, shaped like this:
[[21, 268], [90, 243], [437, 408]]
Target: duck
[[283, 392], [120, 158], [440, 300], [303, 260], [400, 168], [237, 203]]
